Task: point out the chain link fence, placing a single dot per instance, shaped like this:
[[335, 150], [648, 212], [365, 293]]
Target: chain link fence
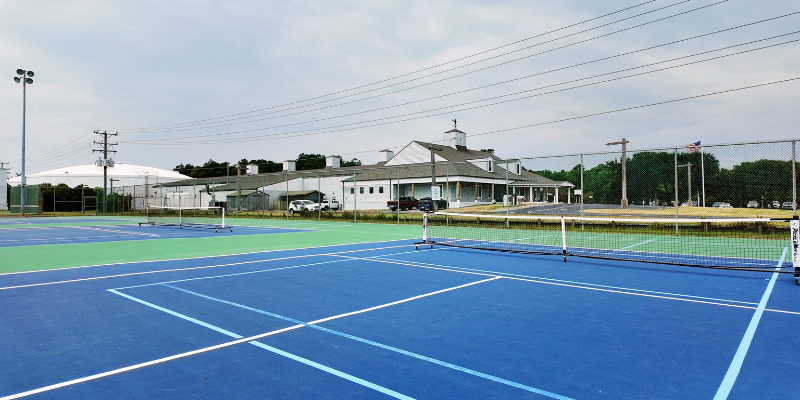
[[756, 179]]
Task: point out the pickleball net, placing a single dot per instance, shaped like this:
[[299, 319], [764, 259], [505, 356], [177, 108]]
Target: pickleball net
[[756, 244], [187, 217]]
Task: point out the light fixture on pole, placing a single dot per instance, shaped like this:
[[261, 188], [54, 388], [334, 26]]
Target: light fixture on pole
[[624, 202], [25, 81]]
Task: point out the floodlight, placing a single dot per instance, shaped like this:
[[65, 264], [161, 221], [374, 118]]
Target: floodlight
[[20, 72], [30, 73], [28, 81], [16, 79]]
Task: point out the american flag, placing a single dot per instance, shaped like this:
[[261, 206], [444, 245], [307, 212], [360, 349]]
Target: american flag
[[691, 147]]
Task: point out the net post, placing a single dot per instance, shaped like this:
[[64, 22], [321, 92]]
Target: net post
[[147, 214], [564, 239], [223, 217], [425, 227], [180, 213]]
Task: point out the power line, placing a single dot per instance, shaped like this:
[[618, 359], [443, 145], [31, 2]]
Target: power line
[[424, 69], [162, 142], [189, 127], [594, 114], [498, 83]]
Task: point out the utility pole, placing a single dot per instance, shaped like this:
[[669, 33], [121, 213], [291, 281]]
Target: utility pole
[[689, 172], [623, 142], [105, 163]]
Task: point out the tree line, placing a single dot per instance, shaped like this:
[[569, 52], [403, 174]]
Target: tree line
[[651, 178], [212, 169]]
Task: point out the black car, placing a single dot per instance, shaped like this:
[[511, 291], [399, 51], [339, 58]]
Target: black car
[[426, 204]]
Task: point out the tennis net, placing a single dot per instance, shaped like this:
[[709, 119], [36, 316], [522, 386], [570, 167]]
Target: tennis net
[[189, 217], [756, 244]]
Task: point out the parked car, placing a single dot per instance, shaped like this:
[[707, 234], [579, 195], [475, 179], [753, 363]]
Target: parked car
[[328, 205], [716, 204], [302, 205], [406, 203], [725, 205], [752, 204], [788, 205], [426, 204], [776, 204]]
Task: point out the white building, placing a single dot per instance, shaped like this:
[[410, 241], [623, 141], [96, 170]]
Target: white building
[[465, 177]]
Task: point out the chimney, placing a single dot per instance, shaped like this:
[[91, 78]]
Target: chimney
[[289, 165], [333, 161], [385, 155]]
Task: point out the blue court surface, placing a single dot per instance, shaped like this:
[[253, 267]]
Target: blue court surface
[[58, 220], [384, 320], [38, 236]]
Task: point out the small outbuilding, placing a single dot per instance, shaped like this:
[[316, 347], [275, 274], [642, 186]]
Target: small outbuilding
[[250, 200]]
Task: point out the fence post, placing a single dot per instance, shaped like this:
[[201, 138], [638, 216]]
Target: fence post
[[398, 196], [794, 180], [355, 197], [676, 190], [583, 192]]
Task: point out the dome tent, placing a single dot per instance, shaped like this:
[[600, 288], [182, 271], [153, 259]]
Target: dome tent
[[92, 176]]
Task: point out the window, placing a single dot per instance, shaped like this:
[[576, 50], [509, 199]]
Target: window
[[361, 190], [480, 191], [491, 165], [371, 190], [352, 190], [380, 189], [519, 169]]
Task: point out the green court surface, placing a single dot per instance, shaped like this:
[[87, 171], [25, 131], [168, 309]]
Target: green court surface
[[32, 258]]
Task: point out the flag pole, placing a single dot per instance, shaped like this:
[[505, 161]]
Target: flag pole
[[703, 169]]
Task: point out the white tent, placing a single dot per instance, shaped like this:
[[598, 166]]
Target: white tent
[[92, 176]]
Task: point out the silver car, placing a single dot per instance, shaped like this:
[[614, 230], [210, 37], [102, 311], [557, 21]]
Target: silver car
[[752, 204], [788, 205]]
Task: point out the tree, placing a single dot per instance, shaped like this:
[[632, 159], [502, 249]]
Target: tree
[[352, 163], [310, 161]]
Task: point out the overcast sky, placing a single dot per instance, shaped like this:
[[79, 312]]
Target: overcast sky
[[124, 66]]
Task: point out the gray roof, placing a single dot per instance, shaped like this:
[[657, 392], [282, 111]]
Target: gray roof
[[457, 157], [248, 193], [464, 169]]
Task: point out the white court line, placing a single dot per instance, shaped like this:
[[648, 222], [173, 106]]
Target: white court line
[[193, 268], [90, 228], [222, 345], [578, 285], [736, 364], [638, 244], [209, 256]]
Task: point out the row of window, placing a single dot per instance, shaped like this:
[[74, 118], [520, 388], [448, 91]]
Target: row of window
[[371, 190]]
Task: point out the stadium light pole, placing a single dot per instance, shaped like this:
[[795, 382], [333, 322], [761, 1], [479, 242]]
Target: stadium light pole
[[623, 142], [25, 81]]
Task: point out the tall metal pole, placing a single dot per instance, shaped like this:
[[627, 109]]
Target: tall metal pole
[[105, 175], [22, 187]]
